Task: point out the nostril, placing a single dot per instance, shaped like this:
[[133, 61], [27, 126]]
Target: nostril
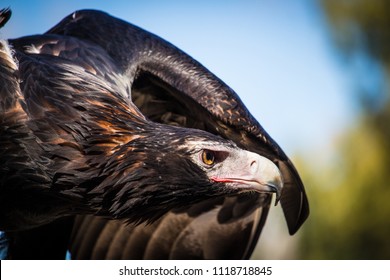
[[253, 166]]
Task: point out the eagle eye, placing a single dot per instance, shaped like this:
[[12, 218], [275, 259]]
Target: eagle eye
[[208, 157]]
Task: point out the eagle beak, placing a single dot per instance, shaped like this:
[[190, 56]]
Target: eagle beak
[[254, 173], [271, 176], [265, 175]]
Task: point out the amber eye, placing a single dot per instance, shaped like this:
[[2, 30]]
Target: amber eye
[[208, 157]]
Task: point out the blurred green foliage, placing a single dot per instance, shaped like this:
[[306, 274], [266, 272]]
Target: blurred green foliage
[[350, 199]]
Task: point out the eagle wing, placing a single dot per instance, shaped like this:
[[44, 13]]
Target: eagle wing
[[186, 235]]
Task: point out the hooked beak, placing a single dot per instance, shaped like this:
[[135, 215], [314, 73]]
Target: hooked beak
[[254, 173]]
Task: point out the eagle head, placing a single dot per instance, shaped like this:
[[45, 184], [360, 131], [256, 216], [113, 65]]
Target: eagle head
[[169, 167]]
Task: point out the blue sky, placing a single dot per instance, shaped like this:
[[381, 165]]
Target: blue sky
[[276, 55]]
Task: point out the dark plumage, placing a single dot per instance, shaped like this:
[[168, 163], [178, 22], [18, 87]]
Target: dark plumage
[[100, 117]]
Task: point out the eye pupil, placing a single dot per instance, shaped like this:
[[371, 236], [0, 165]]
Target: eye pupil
[[208, 157]]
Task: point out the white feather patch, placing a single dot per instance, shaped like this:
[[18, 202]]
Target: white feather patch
[[7, 55]]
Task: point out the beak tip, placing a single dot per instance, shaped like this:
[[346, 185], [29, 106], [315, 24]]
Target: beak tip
[[277, 191], [277, 198]]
